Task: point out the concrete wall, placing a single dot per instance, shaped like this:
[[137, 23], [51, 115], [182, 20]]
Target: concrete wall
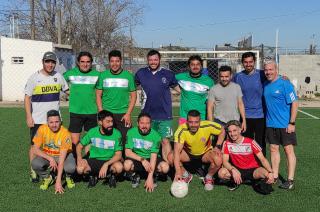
[[298, 67], [13, 77]]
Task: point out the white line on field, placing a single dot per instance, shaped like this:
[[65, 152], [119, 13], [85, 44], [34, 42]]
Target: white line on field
[[308, 114]]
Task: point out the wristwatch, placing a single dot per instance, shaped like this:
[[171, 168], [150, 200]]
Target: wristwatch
[[292, 122]]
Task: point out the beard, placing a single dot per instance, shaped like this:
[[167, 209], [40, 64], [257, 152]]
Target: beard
[[107, 131], [144, 133]]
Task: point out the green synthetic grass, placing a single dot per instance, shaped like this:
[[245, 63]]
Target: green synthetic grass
[[18, 194]]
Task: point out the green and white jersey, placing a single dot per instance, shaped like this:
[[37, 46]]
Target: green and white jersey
[[82, 90], [102, 147], [116, 90], [143, 145], [194, 93]]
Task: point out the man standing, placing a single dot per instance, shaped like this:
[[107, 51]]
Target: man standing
[[194, 89], [42, 93], [116, 92], [142, 150], [282, 107], [239, 160], [225, 100], [251, 82], [52, 145], [82, 106], [105, 151], [193, 144], [156, 82]]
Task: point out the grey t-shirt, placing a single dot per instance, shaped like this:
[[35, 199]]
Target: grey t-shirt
[[45, 94], [226, 101]]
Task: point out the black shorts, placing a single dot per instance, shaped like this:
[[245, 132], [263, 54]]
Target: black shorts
[[247, 174], [95, 165], [138, 167], [279, 136], [33, 131], [195, 163], [79, 121], [120, 125]]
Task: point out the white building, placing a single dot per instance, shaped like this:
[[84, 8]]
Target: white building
[[19, 60]]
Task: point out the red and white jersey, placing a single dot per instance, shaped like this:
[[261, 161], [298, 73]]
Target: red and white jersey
[[242, 155]]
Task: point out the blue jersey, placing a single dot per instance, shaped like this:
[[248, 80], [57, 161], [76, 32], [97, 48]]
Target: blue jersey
[[278, 97], [156, 89], [252, 90]]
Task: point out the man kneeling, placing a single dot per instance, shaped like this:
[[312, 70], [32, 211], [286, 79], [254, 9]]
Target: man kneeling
[[193, 145], [105, 151], [55, 153], [142, 150], [240, 164]]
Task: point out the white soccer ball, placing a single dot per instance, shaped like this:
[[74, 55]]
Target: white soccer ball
[[179, 189]]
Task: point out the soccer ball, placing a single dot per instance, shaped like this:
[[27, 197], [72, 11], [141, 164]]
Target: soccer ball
[[179, 189]]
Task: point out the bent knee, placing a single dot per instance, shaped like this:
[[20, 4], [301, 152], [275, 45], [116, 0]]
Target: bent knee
[[163, 167], [128, 165]]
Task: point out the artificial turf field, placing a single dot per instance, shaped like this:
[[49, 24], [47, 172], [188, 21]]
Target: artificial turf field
[[17, 193]]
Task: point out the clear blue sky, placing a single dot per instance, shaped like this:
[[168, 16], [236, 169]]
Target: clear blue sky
[[205, 23]]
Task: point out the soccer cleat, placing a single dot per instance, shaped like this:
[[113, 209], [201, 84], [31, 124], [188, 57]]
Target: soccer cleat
[[46, 183], [289, 185], [33, 176], [70, 182], [112, 181], [135, 180], [188, 178], [208, 183], [93, 180], [232, 186]]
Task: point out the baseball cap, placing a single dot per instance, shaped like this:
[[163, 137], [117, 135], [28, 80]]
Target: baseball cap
[[49, 56]]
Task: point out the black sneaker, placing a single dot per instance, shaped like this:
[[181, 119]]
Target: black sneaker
[[112, 181], [135, 180], [232, 186], [93, 180], [289, 185]]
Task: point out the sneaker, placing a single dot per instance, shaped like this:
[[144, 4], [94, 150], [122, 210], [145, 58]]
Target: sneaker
[[33, 176], [135, 180], [93, 180], [70, 182], [46, 183], [289, 185], [232, 186], [208, 183], [112, 181], [188, 178]]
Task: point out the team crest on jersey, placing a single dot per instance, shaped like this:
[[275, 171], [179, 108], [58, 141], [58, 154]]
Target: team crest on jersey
[[164, 80], [203, 139], [55, 79]]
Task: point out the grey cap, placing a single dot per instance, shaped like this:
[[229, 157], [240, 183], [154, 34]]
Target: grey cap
[[49, 56]]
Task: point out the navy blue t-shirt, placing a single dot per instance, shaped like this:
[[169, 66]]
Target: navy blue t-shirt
[[252, 90], [156, 89]]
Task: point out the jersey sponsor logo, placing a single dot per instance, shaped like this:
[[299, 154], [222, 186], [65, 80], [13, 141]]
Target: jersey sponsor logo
[[47, 89], [240, 149], [115, 83], [203, 139], [142, 144], [193, 86], [83, 79], [102, 144]]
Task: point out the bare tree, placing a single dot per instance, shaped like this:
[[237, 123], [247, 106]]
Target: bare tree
[[96, 25]]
